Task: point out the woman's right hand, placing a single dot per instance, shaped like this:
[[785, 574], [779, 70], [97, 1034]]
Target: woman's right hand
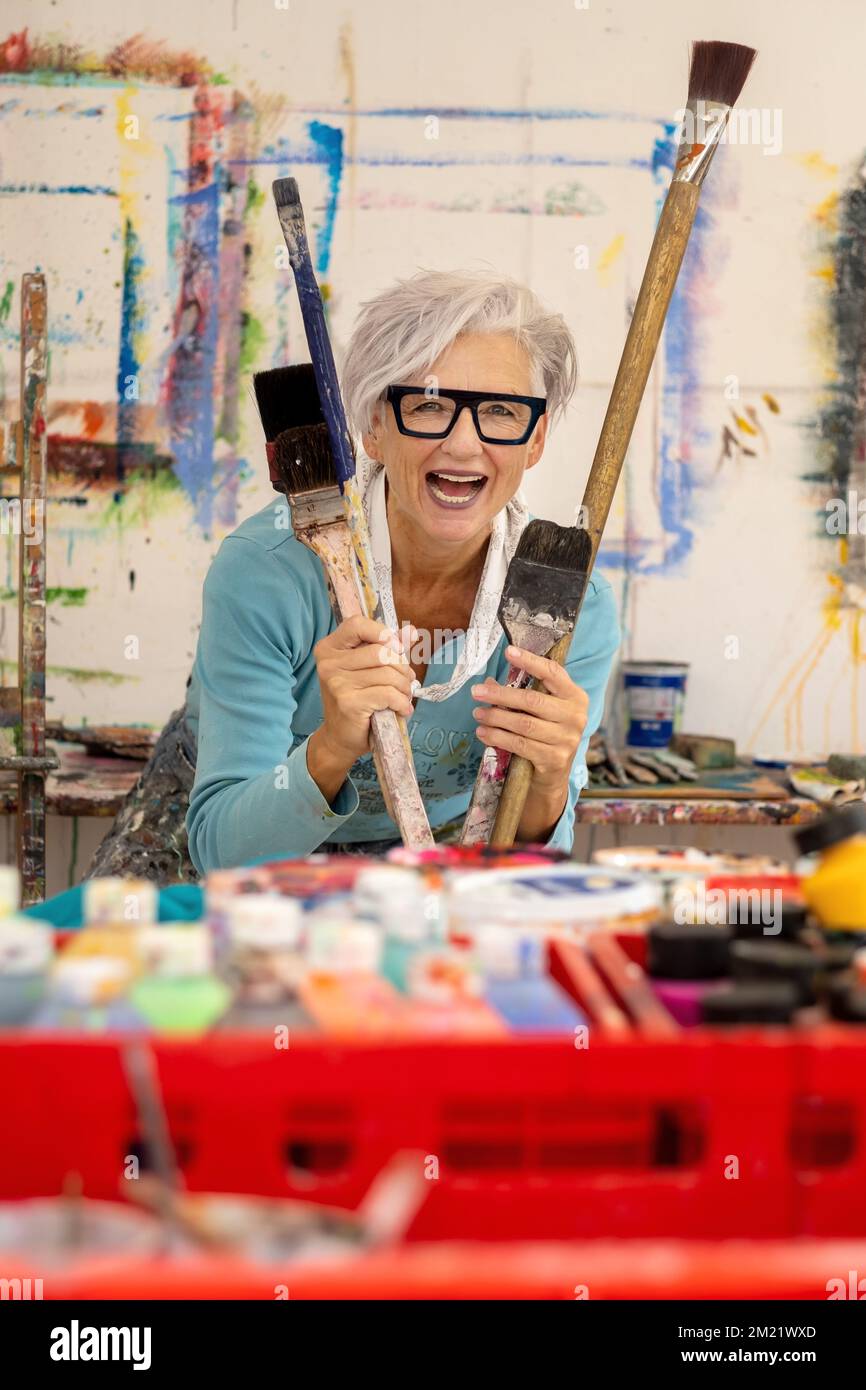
[[362, 667]]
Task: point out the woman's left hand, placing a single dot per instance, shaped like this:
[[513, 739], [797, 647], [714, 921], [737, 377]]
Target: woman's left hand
[[544, 726]]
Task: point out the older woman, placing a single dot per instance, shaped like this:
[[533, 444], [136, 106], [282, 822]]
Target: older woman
[[451, 381]]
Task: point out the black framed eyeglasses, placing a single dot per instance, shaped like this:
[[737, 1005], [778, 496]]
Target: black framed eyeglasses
[[499, 417]]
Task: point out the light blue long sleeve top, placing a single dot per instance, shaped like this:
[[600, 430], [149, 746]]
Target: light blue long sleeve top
[[254, 700]]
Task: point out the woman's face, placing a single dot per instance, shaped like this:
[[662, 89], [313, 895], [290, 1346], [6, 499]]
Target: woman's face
[[479, 479]]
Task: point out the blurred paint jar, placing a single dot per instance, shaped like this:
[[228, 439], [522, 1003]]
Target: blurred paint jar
[[655, 693], [558, 898], [26, 953], [836, 891]]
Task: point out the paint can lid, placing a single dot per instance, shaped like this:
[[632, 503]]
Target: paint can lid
[[684, 952], [832, 829], [777, 960], [672, 862], [792, 918], [558, 895], [751, 1001]]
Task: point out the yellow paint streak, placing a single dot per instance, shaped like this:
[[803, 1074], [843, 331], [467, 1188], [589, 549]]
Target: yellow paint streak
[[771, 403], [784, 684], [609, 256], [744, 425], [795, 705], [348, 69], [827, 211], [815, 163]]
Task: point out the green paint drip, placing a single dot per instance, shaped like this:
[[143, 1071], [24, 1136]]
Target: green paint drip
[[255, 198], [67, 598], [145, 494], [6, 301], [72, 673], [252, 343]]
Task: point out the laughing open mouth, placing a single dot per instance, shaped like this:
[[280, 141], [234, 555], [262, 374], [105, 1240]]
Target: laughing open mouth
[[455, 489]]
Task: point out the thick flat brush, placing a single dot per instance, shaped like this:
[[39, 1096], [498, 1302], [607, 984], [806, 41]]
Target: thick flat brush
[[538, 607], [301, 465]]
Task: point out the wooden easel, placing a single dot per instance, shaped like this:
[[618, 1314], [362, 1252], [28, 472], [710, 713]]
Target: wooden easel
[[22, 707]]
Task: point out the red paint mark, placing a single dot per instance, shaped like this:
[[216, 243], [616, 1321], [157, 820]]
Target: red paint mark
[[136, 57], [690, 153], [15, 53], [94, 415]]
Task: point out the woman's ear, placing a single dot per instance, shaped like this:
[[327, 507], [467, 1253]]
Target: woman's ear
[[370, 439], [537, 442]]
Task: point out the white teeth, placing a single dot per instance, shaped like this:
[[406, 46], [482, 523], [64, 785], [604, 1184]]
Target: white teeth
[[452, 501], [461, 477]]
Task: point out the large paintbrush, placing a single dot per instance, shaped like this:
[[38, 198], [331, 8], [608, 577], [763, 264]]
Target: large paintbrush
[[717, 74], [291, 215], [537, 608], [301, 465]]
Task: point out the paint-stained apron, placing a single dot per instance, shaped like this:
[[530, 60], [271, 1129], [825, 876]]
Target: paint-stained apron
[[148, 838]]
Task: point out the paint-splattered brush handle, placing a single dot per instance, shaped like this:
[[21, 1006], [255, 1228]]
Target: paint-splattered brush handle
[[392, 752], [291, 215], [490, 780]]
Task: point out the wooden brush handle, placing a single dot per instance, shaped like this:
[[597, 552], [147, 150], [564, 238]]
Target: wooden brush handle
[[389, 737], [665, 258], [520, 771], [659, 278]]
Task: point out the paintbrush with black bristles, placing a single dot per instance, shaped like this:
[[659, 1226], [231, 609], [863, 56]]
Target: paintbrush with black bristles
[[717, 75], [301, 464], [538, 607]]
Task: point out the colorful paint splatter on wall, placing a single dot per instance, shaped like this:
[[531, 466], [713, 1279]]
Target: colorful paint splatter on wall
[[166, 291]]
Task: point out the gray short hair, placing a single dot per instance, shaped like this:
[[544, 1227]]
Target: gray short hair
[[403, 330]]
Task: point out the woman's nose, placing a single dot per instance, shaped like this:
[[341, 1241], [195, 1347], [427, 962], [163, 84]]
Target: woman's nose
[[463, 439]]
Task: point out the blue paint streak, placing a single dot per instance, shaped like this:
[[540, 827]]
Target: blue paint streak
[[97, 189], [303, 154], [191, 401], [329, 140], [131, 323], [486, 113]]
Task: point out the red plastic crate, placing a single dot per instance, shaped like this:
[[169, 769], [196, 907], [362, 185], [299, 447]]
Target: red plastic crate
[[793, 1269], [535, 1140]]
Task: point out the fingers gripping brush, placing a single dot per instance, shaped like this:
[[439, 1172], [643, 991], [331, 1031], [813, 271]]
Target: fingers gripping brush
[[301, 465], [538, 608], [717, 75]]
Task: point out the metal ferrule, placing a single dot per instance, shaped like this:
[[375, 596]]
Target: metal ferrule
[[320, 507], [703, 127]]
